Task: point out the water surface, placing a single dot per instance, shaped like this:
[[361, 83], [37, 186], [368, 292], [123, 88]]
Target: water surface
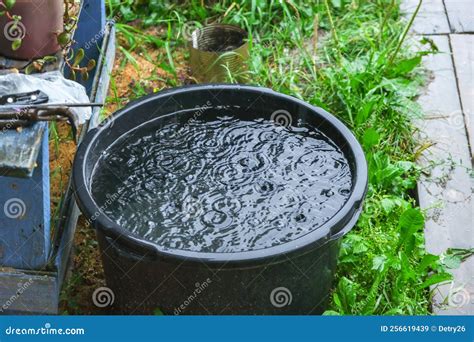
[[222, 186]]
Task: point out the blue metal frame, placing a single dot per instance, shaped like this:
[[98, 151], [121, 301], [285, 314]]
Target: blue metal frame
[[25, 216], [90, 33], [25, 238], [27, 250]]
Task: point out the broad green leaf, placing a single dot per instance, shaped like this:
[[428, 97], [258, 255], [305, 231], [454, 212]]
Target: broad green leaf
[[378, 262], [436, 279], [9, 3], [410, 245], [16, 44], [412, 218], [347, 294], [365, 111], [371, 138], [428, 260], [337, 301], [410, 222], [79, 57], [451, 261], [360, 247], [407, 269], [390, 203], [405, 66]]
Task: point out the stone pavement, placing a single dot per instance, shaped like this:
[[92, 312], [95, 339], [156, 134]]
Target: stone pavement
[[448, 105]]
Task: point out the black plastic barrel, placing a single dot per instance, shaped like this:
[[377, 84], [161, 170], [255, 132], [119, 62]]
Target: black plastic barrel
[[290, 278]]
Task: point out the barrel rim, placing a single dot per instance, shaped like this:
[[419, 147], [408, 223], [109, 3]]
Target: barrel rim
[[341, 223]]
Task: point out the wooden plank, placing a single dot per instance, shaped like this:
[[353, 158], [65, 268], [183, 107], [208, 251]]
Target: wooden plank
[[463, 55], [446, 193], [431, 18], [461, 15]]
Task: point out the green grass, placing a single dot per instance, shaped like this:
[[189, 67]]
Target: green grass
[[351, 58]]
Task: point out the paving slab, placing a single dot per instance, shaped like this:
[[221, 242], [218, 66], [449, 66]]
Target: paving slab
[[463, 56], [446, 193], [431, 18], [460, 15]]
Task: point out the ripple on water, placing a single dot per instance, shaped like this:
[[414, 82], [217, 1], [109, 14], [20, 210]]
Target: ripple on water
[[222, 186]]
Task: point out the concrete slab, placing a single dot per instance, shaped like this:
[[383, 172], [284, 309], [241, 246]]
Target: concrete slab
[[431, 18], [460, 15], [463, 55], [446, 193]]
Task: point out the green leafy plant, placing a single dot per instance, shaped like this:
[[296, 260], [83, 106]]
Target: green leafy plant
[[73, 59]]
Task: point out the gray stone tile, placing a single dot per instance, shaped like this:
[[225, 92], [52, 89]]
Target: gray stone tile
[[446, 193], [461, 15], [431, 18], [460, 299], [463, 55]]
